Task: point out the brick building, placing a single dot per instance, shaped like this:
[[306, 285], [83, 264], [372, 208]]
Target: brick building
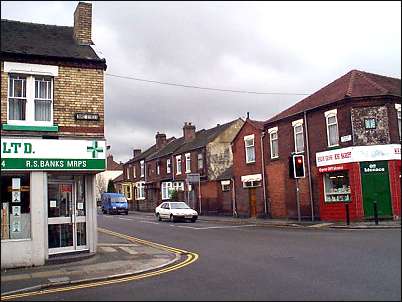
[[168, 165], [248, 170], [349, 133], [52, 129]]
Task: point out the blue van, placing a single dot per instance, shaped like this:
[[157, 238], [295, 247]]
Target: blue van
[[114, 203]]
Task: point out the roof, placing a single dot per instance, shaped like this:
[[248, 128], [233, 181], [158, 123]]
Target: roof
[[170, 147], [118, 178], [203, 137], [227, 174], [143, 155], [32, 39], [256, 124], [355, 83]]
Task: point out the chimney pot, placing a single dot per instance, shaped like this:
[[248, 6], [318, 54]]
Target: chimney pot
[[188, 132], [136, 152], [160, 140]]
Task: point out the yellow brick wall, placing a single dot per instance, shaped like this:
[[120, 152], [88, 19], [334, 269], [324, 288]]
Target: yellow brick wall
[[75, 90]]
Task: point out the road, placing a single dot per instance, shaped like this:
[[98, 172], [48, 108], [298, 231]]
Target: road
[[245, 262]]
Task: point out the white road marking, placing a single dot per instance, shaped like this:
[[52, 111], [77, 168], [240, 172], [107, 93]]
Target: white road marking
[[125, 218], [108, 249], [319, 225], [128, 250], [216, 227], [152, 222]]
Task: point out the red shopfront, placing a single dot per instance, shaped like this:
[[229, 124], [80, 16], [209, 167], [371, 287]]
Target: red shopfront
[[347, 177]]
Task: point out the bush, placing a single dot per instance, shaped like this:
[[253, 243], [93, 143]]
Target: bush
[[174, 195], [110, 187]]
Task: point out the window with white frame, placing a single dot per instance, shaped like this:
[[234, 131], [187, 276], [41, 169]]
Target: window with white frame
[[273, 140], [142, 168], [140, 192], [134, 172], [128, 172], [178, 186], [178, 164], [250, 148], [200, 161], [168, 166], [398, 115], [332, 128], [158, 167], [166, 188], [298, 135], [30, 99], [188, 163]]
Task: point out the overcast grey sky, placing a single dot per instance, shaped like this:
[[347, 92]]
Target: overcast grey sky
[[289, 47]]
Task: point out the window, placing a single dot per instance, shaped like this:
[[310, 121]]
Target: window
[[200, 161], [370, 123], [134, 172], [166, 187], [140, 192], [15, 207], [128, 172], [398, 115], [127, 191], [178, 164], [142, 167], [250, 149], [168, 166], [332, 128], [336, 186], [225, 185], [251, 183], [158, 168], [188, 163], [273, 138], [178, 186], [298, 135], [30, 99]]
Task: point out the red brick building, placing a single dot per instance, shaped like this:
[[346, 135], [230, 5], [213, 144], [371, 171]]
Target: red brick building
[[349, 133], [248, 171]]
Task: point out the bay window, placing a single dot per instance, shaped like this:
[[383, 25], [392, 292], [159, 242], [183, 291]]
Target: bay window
[[140, 191]]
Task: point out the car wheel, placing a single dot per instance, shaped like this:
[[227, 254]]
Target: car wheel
[[126, 212], [172, 218], [158, 217], [193, 219]]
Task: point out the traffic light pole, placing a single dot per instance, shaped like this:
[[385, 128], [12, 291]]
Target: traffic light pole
[[298, 199]]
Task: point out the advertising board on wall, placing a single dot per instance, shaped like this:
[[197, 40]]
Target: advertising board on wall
[[49, 154]]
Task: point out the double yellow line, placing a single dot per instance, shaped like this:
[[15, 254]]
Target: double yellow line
[[190, 258]]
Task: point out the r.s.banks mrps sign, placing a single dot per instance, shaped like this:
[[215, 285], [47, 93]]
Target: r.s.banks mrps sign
[[51, 154]]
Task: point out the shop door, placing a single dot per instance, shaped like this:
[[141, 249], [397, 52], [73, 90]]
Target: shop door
[[375, 187], [253, 201], [66, 219]]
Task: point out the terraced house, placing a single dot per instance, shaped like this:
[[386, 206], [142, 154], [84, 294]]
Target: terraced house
[[350, 135], [52, 139], [191, 165]]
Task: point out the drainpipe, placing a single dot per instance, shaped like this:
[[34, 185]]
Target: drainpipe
[[309, 168], [234, 197], [263, 174]]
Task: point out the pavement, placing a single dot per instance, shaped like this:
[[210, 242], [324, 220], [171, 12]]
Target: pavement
[[383, 224], [116, 257]]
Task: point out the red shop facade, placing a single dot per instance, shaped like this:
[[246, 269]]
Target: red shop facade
[[358, 177]]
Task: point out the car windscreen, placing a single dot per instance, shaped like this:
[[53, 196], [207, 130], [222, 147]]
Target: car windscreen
[[179, 205], [118, 199]]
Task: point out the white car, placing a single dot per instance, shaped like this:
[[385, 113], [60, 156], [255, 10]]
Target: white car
[[174, 210]]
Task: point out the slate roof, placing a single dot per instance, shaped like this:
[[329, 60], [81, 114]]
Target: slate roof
[[151, 150], [355, 83], [170, 147], [42, 40], [118, 178]]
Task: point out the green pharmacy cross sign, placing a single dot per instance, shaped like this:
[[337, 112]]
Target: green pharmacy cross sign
[[94, 149]]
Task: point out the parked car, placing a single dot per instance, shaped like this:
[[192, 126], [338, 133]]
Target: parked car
[[114, 203], [175, 210]]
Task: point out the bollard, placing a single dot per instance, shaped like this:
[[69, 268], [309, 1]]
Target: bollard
[[375, 212], [347, 213]]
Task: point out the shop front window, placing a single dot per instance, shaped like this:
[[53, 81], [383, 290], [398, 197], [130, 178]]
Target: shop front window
[[337, 187], [15, 207]]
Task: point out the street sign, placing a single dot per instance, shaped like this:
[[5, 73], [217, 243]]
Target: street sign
[[193, 177]]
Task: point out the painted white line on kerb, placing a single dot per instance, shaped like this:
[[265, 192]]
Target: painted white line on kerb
[[319, 225], [124, 218], [152, 222]]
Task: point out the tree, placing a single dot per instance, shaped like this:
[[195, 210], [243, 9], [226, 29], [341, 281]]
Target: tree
[[100, 185], [110, 187]]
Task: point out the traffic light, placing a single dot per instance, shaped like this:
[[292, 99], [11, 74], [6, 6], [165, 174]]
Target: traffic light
[[298, 166]]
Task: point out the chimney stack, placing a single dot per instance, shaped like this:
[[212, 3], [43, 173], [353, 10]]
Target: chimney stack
[[188, 132], [83, 23], [136, 152], [109, 162], [160, 140]]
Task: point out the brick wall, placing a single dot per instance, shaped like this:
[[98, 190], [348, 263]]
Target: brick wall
[[75, 90]]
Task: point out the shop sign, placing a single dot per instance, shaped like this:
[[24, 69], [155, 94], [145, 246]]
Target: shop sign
[[331, 168], [373, 168], [49, 154], [358, 154], [346, 138]]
